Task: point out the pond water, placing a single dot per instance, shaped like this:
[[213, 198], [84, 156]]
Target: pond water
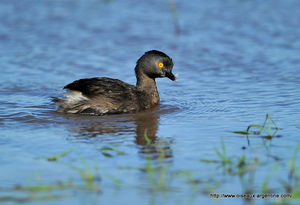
[[236, 60]]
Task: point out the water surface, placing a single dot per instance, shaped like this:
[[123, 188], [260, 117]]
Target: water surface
[[236, 61]]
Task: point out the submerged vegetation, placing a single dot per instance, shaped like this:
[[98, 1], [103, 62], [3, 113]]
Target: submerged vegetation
[[160, 177]]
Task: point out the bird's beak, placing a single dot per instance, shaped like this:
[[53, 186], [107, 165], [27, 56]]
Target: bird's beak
[[170, 75]]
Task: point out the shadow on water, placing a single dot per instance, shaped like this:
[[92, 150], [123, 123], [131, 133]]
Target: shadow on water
[[144, 125]]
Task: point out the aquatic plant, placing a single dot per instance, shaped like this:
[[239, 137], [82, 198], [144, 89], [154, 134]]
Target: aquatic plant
[[245, 168], [147, 138], [292, 184], [56, 157], [29, 198], [234, 165], [89, 175], [40, 187], [116, 181], [44, 191], [109, 151], [267, 130], [36, 192], [265, 187], [157, 173]]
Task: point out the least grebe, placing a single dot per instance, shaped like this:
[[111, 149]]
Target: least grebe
[[100, 96]]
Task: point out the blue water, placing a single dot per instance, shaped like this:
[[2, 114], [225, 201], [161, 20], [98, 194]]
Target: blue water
[[236, 61]]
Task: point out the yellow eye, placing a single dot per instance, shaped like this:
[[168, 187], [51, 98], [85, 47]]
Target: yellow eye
[[160, 65]]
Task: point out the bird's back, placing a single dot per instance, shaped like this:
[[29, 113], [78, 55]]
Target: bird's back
[[101, 96]]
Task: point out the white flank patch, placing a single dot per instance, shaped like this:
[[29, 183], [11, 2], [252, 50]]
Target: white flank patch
[[74, 97]]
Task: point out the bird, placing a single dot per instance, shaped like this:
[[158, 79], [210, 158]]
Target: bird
[[104, 96]]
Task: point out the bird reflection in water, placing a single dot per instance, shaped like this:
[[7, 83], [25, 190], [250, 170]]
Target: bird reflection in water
[[115, 129], [147, 125]]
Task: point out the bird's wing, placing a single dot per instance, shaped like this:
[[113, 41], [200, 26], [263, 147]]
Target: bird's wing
[[103, 87]]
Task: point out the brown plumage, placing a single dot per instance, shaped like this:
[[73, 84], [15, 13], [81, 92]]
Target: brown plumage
[[99, 96]]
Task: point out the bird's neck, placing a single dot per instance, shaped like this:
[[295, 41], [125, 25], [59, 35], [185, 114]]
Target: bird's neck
[[147, 85]]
